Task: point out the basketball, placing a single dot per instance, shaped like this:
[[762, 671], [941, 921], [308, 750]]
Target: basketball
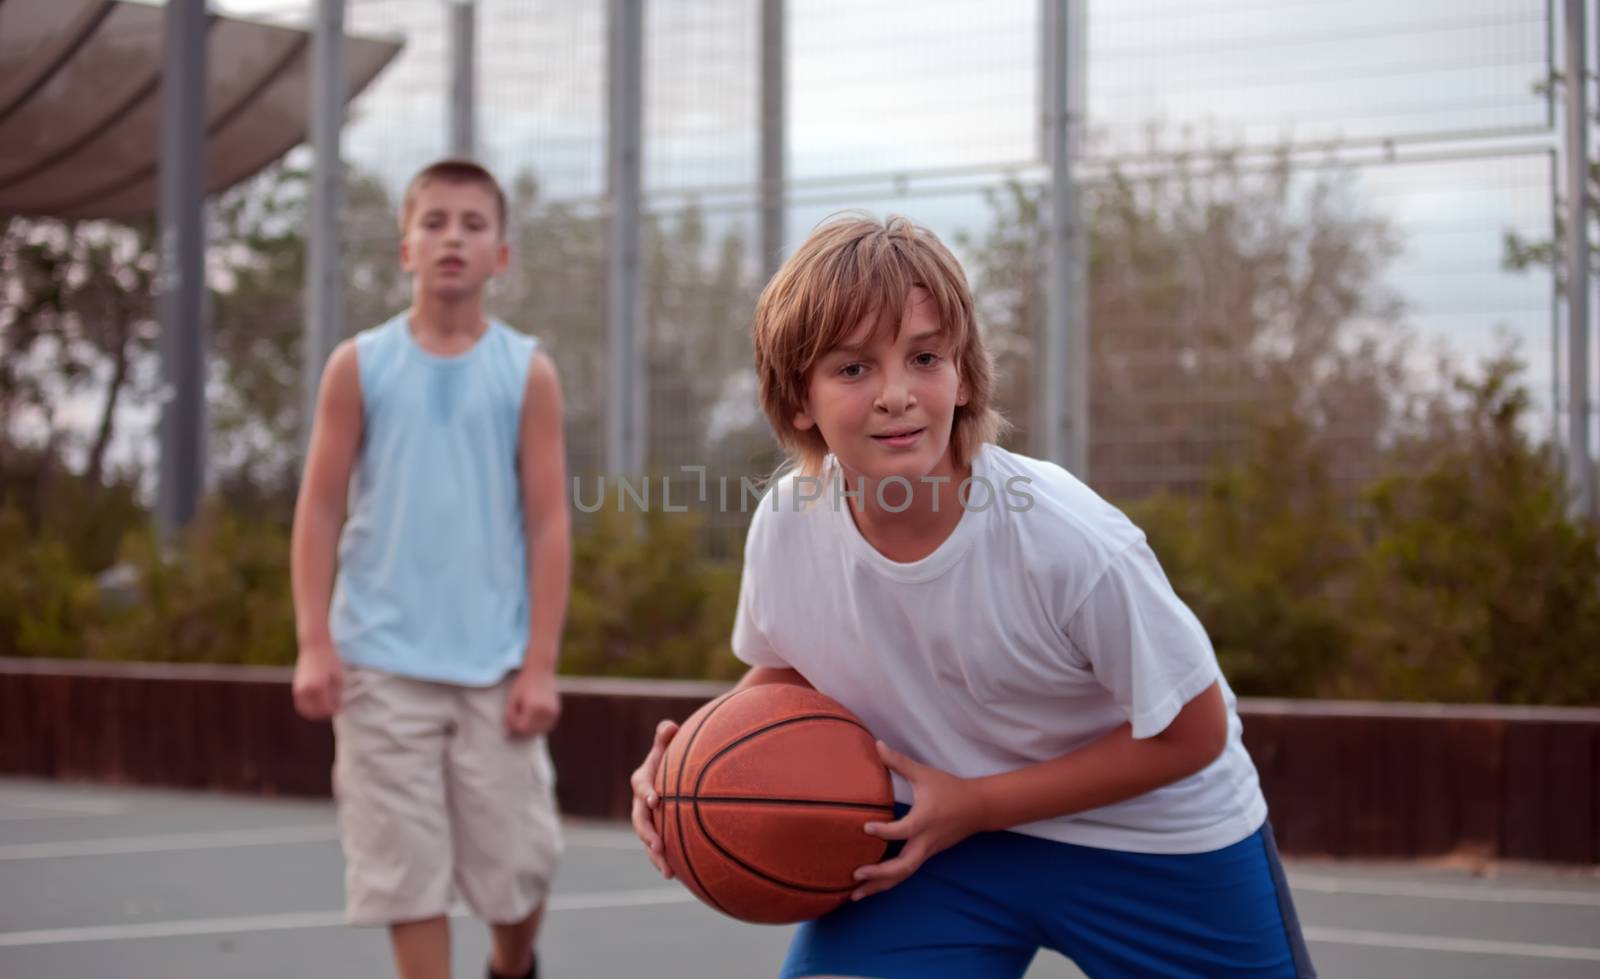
[[763, 796]]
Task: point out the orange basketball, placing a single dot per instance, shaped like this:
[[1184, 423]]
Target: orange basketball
[[763, 796]]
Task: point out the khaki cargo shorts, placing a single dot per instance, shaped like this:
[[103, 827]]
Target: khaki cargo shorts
[[435, 801]]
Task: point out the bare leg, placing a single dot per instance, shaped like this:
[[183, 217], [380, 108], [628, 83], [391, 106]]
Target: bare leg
[[513, 945], [422, 948]]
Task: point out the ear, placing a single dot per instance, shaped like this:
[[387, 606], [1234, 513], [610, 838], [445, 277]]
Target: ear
[[405, 254], [803, 419], [502, 257], [961, 395]]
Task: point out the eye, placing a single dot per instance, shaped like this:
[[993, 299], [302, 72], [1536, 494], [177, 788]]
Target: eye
[[852, 370], [926, 359]]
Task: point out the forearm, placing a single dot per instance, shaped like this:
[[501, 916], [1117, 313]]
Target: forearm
[[1114, 768], [312, 556], [549, 583]]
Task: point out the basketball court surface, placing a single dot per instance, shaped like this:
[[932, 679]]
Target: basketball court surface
[[111, 883]]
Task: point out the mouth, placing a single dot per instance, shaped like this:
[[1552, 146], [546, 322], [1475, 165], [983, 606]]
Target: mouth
[[899, 437], [451, 265]]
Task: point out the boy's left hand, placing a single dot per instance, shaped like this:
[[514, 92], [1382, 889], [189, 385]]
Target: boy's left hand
[[533, 705], [945, 810]]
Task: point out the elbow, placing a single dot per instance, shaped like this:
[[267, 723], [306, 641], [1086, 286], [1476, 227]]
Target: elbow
[[1207, 727], [554, 529], [1205, 744], [317, 517], [1213, 745], [550, 538], [1197, 737]]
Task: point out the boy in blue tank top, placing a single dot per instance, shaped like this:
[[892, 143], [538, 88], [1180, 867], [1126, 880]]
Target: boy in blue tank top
[[1067, 759], [435, 483]]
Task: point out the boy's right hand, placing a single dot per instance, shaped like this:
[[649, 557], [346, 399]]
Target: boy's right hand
[[318, 681], [645, 800]]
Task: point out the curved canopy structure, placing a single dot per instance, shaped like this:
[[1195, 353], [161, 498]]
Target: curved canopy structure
[[80, 103]]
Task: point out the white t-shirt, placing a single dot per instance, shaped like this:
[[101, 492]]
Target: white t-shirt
[[1041, 623]]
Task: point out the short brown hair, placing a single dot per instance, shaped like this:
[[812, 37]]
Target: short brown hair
[[453, 171], [848, 269]]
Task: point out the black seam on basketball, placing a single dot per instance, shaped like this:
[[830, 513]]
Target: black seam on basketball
[[770, 878], [706, 768], [712, 761], [810, 803], [683, 848]]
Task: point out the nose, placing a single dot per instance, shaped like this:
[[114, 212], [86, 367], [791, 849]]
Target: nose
[[895, 396]]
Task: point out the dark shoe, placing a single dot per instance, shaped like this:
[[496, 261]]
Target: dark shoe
[[532, 973]]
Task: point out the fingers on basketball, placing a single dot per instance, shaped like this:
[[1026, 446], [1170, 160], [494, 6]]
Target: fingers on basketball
[[644, 828], [881, 877], [903, 828], [644, 778]]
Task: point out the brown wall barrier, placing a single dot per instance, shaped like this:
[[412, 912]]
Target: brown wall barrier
[[1341, 779]]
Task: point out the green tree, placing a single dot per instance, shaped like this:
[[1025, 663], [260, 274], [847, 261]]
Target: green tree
[[258, 319], [1216, 298], [77, 327], [1476, 586], [646, 602], [1264, 555]]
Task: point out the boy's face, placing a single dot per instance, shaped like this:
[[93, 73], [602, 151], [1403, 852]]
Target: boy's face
[[886, 404], [452, 245]]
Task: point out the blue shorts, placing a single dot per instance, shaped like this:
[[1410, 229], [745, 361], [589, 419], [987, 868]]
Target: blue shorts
[[984, 907]]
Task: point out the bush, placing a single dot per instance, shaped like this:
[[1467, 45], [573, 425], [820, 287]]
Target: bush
[[219, 595], [1263, 558], [1456, 575], [43, 602], [1476, 586], [646, 602]]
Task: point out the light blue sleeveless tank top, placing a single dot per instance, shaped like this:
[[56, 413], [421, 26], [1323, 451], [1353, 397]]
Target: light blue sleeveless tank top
[[433, 576]]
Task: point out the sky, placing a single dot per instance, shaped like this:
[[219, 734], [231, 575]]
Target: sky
[[915, 107]]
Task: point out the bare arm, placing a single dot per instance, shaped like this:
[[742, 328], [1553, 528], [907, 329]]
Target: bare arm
[[318, 516], [1110, 769], [542, 464], [547, 528]]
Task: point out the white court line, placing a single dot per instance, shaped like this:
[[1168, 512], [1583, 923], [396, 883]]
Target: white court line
[[600, 900], [53, 806], [169, 842], [1441, 943], [165, 843], [1444, 892], [592, 901]]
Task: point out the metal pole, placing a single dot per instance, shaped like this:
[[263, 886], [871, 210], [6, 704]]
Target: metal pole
[[1554, 452], [625, 380], [463, 78], [324, 313], [1061, 412], [773, 126], [182, 270], [1078, 372], [1580, 467]]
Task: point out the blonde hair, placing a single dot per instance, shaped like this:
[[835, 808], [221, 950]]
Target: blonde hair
[[848, 269], [454, 171]]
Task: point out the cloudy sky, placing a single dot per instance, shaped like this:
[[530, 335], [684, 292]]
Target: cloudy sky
[[914, 107]]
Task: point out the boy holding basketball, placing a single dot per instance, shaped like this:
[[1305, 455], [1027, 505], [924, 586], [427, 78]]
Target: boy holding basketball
[[434, 647], [1053, 713]]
